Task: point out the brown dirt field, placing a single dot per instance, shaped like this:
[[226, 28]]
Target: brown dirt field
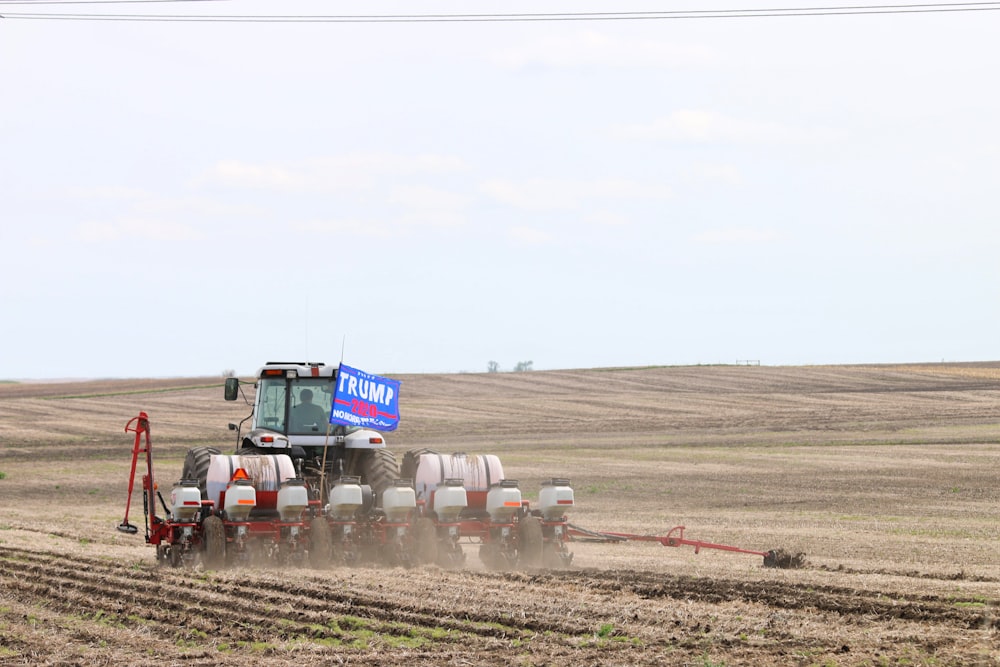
[[885, 476]]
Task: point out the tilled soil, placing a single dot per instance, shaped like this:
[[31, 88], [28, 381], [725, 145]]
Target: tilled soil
[[885, 476], [69, 608]]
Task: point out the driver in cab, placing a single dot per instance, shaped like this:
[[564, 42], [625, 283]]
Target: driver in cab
[[307, 415]]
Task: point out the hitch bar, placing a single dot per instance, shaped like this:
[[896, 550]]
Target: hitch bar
[[673, 538]]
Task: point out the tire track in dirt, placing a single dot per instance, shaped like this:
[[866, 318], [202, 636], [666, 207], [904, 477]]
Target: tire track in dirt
[[81, 587], [302, 616], [228, 605], [847, 602], [316, 595], [178, 598], [957, 576], [193, 615], [229, 602]]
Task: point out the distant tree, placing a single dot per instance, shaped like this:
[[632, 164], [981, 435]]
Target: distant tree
[[229, 373], [523, 366], [492, 367]]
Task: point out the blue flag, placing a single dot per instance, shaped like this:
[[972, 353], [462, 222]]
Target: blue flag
[[365, 400]]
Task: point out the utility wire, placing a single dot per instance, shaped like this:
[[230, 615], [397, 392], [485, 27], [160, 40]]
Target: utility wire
[[678, 11], [509, 17], [94, 2]]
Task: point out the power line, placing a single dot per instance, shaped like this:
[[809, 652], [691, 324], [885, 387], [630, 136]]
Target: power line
[[94, 2], [843, 10]]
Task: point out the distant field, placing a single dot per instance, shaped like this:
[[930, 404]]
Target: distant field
[[886, 477]]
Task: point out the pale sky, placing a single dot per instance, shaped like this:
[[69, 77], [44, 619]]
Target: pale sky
[[181, 198]]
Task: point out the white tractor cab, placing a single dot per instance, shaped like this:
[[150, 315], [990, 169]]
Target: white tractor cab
[[291, 415]]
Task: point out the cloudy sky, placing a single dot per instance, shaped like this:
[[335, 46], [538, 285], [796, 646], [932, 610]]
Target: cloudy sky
[[183, 198]]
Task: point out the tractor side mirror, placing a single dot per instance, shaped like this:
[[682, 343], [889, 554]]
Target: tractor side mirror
[[232, 388]]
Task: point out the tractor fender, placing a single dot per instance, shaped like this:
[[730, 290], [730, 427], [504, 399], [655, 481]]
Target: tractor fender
[[364, 439]]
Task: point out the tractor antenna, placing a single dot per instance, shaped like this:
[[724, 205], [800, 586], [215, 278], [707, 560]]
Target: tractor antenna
[[306, 326], [343, 344]]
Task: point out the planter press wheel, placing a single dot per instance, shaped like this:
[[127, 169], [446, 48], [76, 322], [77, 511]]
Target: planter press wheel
[[530, 541], [214, 534], [321, 543], [426, 541]]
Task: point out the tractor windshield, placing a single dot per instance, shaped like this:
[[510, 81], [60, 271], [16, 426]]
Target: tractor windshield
[[294, 406]]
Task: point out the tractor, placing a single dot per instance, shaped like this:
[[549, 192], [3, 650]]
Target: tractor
[[299, 490], [290, 415]]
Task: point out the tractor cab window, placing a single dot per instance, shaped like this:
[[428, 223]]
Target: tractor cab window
[[310, 410], [271, 404]]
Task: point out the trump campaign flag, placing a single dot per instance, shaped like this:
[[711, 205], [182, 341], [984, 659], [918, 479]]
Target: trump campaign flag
[[364, 400]]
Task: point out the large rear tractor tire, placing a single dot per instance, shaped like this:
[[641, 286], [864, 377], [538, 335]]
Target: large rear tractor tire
[[530, 542], [215, 543], [379, 470], [196, 464], [320, 543], [411, 459]]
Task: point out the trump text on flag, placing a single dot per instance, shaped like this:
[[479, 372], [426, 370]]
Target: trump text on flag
[[365, 400]]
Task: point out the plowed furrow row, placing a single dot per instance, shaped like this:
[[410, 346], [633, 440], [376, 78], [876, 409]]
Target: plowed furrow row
[[312, 599], [957, 576], [176, 607], [228, 608], [324, 600], [843, 601], [304, 601], [426, 612], [85, 638], [172, 617]]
